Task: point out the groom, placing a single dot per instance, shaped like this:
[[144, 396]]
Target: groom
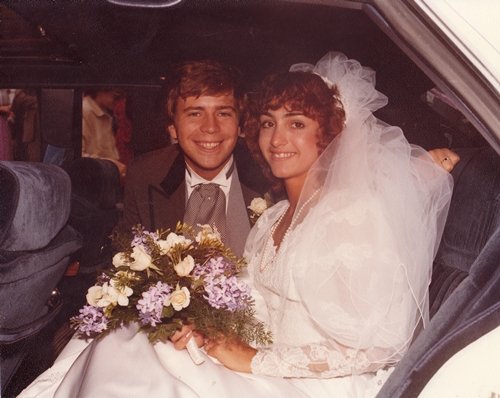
[[205, 103]]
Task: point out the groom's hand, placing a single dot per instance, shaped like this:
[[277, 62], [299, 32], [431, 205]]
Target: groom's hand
[[445, 158]]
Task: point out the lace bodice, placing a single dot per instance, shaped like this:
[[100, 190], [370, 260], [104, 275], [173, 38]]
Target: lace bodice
[[301, 348], [271, 285]]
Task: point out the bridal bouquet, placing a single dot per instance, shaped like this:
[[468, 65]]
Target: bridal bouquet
[[162, 280]]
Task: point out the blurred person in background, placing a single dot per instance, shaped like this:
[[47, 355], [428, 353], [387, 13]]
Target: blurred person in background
[[98, 138]]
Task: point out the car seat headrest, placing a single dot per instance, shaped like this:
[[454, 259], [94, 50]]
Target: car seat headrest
[[34, 204], [95, 180]]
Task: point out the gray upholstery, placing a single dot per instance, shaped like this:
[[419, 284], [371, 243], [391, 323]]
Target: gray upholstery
[[474, 215], [34, 204], [35, 248], [474, 211], [35, 243], [465, 292]]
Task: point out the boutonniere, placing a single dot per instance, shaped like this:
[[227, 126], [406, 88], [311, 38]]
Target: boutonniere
[[258, 206]]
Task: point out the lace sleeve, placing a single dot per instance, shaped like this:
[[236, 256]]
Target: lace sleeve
[[318, 360]]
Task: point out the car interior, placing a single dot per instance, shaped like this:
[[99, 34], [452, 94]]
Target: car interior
[[58, 209]]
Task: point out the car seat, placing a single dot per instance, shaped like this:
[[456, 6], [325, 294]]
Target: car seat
[[35, 247], [94, 214], [465, 291]]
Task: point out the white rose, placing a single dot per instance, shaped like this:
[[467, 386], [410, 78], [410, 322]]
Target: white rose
[[102, 296], [140, 259], [106, 296], [179, 298], [94, 294], [164, 246], [258, 206], [172, 240], [109, 296], [119, 260], [185, 267], [207, 232], [123, 293]]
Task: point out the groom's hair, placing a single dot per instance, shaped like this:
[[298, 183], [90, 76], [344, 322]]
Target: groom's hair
[[197, 78]]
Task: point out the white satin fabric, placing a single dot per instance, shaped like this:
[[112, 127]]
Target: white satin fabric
[[125, 364]]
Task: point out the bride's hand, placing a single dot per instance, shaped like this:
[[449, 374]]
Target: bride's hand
[[181, 337], [234, 354]]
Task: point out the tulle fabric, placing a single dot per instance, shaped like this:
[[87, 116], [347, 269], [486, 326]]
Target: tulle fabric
[[360, 253]]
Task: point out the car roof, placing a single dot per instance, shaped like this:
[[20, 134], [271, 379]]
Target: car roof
[[137, 45]]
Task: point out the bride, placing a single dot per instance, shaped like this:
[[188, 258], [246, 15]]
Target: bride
[[340, 268]]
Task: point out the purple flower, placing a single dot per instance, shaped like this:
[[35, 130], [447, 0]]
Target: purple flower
[[150, 306], [223, 289], [91, 320], [214, 267], [140, 238], [227, 292]]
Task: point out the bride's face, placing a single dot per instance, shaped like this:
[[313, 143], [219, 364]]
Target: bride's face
[[288, 141]]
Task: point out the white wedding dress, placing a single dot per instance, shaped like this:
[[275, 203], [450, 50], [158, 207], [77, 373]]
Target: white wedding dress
[[344, 294], [303, 361], [124, 364]]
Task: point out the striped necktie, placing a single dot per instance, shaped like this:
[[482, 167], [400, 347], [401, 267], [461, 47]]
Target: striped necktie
[[207, 205]]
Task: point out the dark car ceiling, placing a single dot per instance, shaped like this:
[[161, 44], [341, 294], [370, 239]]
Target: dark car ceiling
[[89, 42], [106, 43]]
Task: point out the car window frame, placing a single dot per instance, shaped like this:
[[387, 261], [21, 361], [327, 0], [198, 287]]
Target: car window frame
[[442, 62]]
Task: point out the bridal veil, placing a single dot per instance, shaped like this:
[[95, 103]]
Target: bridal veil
[[361, 251]]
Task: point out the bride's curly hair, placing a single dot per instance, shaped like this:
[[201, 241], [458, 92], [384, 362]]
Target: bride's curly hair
[[296, 91]]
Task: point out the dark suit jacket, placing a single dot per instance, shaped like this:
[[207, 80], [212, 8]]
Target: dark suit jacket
[[155, 190]]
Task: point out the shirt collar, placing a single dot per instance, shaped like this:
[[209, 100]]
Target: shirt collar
[[222, 179]]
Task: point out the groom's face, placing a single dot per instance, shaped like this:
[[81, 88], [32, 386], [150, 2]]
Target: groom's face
[[207, 130]]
